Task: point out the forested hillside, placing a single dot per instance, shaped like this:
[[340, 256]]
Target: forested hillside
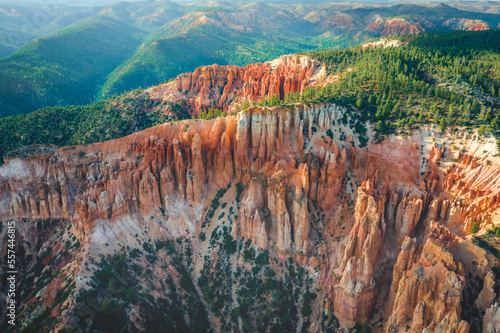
[[99, 121], [448, 79], [21, 23], [63, 69]]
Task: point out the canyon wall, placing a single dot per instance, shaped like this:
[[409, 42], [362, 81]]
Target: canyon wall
[[379, 227], [184, 163]]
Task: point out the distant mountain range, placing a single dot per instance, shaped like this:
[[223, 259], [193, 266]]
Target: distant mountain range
[[63, 55]]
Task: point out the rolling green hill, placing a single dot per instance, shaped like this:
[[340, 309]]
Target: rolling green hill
[[64, 69], [20, 24]]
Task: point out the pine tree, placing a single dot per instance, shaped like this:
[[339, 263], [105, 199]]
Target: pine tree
[[395, 110], [408, 101], [421, 118], [435, 113], [442, 124], [475, 107], [481, 130], [434, 109], [474, 229], [411, 122], [451, 118], [465, 113], [387, 108], [246, 105], [380, 113], [379, 126], [495, 123], [488, 115], [370, 99], [359, 100]]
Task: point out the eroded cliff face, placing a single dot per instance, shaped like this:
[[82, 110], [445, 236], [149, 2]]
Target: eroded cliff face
[[399, 26], [226, 87], [333, 19], [426, 289], [276, 153], [376, 233], [466, 24]]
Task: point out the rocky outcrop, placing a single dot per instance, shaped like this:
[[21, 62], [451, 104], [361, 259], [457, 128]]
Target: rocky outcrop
[[253, 217], [491, 320], [378, 230], [384, 219], [398, 26], [218, 86], [174, 168], [475, 185], [427, 287], [487, 295], [339, 21], [466, 24], [355, 293]]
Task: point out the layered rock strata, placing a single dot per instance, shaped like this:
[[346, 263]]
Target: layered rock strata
[[183, 164], [375, 225], [217, 86]]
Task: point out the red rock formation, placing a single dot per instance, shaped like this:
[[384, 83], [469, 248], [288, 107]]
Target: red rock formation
[[427, 287], [487, 295], [466, 24], [355, 293], [253, 218], [217, 86], [338, 21], [178, 165], [475, 188], [403, 263], [397, 26], [491, 320], [297, 186]]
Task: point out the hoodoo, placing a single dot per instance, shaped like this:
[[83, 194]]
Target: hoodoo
[[373, 240]]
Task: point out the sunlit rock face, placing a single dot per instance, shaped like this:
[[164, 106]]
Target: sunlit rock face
[[225, 87], [378, 228]]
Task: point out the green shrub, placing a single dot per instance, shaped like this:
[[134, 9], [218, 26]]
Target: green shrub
[[474, 229]]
